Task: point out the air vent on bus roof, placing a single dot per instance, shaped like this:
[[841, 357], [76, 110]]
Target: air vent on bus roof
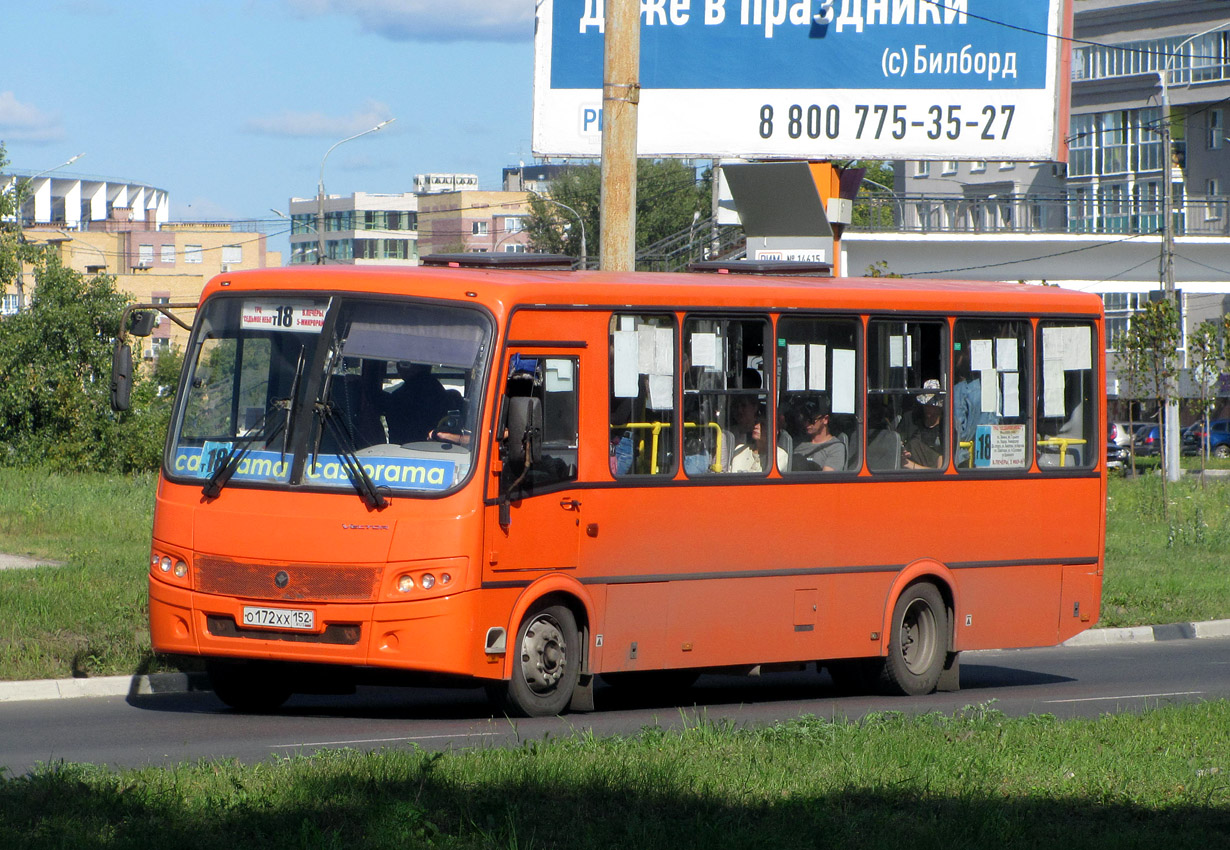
[[498, 260], [780, 268]]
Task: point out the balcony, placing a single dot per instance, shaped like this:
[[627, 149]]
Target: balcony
[[1037, 214]]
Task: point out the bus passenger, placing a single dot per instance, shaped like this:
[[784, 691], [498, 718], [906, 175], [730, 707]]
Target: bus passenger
[[417, 406], [824, 450], [752, 455], [922, 432]]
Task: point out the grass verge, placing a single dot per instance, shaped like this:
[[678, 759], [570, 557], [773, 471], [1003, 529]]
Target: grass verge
[[88, 617], [973, 780]]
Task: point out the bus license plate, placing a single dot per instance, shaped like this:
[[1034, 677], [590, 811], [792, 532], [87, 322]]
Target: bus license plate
[[278, 618]]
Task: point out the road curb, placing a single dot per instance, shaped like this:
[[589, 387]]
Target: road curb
[[179, 683], [1148, 634], [102, 686]]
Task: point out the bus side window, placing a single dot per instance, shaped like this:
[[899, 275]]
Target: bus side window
[[1067, 406], [642, 409], [907, 395], [727, 421], [554, 382], [991, 363], [817, 391]]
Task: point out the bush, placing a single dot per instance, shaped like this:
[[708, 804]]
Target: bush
[[55, 400]]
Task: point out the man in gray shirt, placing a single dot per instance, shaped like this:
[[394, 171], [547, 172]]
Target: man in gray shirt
[[824, 451]]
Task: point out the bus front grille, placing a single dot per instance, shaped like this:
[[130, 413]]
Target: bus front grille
[[288, 582]]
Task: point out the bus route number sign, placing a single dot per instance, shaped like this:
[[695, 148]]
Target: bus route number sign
[[296, 316]]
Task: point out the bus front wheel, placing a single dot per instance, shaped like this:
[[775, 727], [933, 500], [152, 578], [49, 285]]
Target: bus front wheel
[[918, 642], [547, 665]]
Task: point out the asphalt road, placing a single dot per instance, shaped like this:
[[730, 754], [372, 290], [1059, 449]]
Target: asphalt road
[[173, 728]]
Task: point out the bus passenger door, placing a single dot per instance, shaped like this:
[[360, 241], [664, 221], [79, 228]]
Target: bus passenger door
[[534, 510]]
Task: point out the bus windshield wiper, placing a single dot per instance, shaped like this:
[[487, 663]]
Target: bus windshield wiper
[[371, 494], [268, 430]]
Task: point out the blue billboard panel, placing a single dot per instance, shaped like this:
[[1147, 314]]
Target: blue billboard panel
[[944, 79]]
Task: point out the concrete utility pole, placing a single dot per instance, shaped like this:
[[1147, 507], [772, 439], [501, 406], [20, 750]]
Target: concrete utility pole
[[621, 92], [1170, 428]]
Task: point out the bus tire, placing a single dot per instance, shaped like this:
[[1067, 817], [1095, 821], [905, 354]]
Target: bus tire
[[250, 686], [547, 664], [917, 642]]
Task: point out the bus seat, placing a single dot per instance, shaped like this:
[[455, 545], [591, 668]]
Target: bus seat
[[884, 450]]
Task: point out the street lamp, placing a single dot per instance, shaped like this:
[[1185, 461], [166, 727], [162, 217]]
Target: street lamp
[[1170, 432], [21, 235], [320, 188], [580, 221]]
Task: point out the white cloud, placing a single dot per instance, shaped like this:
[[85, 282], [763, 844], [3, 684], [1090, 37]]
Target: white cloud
[[318, 124], [20, 122], [432, 20]]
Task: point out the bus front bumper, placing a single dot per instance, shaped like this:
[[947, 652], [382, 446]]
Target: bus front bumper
[[430, 635]]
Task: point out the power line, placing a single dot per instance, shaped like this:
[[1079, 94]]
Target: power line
[[1030, 259]]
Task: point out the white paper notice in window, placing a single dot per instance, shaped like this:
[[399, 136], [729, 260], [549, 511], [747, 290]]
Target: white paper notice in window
[[981, 355], [844, 382], [796, 367], [1005, 355], [704, 350], [817, 356], [626, 364]]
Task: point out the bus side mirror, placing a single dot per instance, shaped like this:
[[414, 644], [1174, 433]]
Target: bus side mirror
[[524, 431], [121, 376], [141, 322]]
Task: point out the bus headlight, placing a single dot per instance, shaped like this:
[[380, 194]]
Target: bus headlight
[[429, 581], [405, 584], [165, 564]]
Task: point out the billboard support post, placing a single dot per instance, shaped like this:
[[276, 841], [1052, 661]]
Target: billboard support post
[[621, 92]]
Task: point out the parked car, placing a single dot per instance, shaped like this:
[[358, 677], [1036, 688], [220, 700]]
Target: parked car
[[1148, 441], [1116, 455], [1122, 432], [1217, 439]]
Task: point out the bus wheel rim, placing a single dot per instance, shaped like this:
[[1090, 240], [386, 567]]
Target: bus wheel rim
[[544, 655], [918, 636]]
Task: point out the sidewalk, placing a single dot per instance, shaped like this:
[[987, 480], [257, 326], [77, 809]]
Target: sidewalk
[[179, 683]]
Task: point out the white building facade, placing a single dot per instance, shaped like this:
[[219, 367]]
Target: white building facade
[[358, 229]]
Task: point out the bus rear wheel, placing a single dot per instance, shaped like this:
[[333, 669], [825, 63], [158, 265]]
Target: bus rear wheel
[[547, 664], [249, 686], [918, 642]]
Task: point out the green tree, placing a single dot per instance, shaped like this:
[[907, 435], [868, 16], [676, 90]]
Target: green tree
[[1151, 358], [1206, 351], [668, 195], [876, 205], [14, 250], [55, 397]]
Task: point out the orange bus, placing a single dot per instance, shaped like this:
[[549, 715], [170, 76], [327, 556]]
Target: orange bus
[[533, 477]]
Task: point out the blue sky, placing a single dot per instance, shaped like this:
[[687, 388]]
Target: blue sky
[[229, 105]]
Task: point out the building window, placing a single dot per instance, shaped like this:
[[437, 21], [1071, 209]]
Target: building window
[[978, 166], [145, 255], [513, 224], [232, 255], [922, 168], [479, 228], [1213, 204], [194, 254], [1217, 129], [950, 166], [168, 254], [9, 305], [1115, 148], [1007, 166], [514, 249]]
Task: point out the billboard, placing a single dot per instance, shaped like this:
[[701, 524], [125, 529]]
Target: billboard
[[816, 79]]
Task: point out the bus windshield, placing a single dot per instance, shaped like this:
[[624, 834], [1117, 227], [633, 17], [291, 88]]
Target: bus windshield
[[336, 392]]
